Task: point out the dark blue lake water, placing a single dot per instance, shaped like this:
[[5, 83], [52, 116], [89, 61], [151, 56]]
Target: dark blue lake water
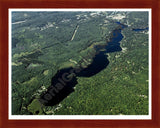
[[138, 29], [100, 62]]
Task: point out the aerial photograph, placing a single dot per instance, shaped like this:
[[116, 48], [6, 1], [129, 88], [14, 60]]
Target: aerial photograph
[[93, 62]]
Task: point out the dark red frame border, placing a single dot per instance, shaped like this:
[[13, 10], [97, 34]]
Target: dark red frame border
[[6, 4]]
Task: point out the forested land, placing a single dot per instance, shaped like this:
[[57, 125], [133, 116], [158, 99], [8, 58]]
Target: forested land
[[42, 44]]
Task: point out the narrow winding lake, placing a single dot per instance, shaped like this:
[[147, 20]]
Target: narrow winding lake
[[100, 61]]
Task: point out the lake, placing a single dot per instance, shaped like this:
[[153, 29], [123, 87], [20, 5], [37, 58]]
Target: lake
[[64, 81]]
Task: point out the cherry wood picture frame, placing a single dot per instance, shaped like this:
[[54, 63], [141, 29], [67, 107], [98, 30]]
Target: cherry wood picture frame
[[108, 4]]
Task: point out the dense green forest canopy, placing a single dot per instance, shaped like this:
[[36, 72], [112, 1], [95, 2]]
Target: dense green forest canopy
[[45, 42]]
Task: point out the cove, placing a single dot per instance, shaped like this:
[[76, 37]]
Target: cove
[[63, 83]]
